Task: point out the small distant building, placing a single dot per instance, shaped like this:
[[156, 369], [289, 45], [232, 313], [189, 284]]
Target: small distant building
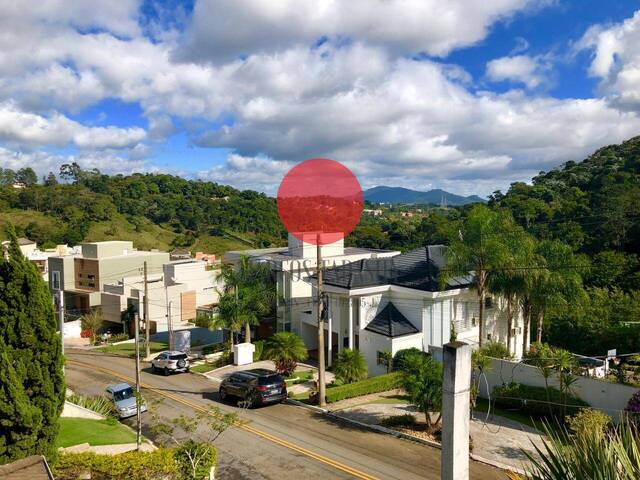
[[406, 214], [372, 212], [208, 258], [18, 186], [39, 257], [180, 254]]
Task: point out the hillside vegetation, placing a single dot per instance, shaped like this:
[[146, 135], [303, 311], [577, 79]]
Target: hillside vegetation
[[155, 211]]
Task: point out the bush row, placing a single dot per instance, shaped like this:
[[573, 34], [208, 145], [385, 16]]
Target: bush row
[[130, 465], [534, 400], [381, 383]]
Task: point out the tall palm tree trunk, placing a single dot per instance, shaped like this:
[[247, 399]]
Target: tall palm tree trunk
[[247, 333], [526, 319], [509, 321], [540, 325], [481, 295]]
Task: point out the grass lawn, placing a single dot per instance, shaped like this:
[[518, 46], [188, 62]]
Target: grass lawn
[[204, 368], [128, 349], [74, 431], [299, 377], [393, 399]]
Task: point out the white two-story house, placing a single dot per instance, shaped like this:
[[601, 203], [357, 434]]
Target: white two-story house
[[397, 302]]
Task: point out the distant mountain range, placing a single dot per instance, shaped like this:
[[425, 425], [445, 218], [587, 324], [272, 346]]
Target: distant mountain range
[[405, 195]]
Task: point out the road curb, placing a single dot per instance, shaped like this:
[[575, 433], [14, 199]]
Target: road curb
[[405, 436]]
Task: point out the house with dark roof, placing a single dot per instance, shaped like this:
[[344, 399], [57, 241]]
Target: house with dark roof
[[293, 265], [398, 302]]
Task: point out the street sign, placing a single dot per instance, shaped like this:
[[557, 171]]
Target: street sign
[[612, 353]]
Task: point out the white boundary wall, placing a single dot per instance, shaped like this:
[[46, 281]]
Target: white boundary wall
[[611, 398]]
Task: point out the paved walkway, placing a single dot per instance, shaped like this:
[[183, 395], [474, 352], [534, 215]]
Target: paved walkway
[[108, 449], [499, 439]]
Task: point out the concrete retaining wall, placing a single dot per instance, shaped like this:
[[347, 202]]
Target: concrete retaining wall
[[612, 398], [76, 411]]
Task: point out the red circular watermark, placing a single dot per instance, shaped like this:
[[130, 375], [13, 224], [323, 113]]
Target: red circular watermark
[[320, 201]]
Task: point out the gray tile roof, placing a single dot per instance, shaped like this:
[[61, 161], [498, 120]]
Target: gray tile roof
[[390, 322], [418, 269]]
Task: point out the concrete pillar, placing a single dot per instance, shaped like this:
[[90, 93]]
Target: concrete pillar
[[455, 411], [350, 322], [330, 335]]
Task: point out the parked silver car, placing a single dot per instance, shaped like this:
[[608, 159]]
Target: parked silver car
[[167, 362], [124, 398]]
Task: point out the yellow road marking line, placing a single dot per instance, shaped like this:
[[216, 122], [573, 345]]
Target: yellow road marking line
[[267, 436]]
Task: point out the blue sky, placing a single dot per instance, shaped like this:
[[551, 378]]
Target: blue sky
[[462, 95]]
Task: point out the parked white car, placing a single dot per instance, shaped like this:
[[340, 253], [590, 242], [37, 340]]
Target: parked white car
[[167, 362]]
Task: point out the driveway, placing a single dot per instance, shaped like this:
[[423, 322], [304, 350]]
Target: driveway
[[280, 441]]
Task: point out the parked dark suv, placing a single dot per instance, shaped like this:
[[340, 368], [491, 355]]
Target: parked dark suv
[[258, 387]]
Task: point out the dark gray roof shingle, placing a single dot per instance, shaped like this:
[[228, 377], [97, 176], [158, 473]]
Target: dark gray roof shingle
[[418, 269], [390, 322]]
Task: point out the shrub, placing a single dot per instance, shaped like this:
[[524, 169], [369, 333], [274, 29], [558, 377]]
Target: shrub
[[216, 347], [286, 349], [257, 354], [382, 383], [496, 350], [406, 420], [86, 334], [408, 358], [350, 366], [132, 465], [533, 400], [589, 422], [185, 456], [119, 337], [97, 403], [633, 406]]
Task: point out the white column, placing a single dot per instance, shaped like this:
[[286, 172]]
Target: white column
[[350, 322], [330, 336], [455, 411]]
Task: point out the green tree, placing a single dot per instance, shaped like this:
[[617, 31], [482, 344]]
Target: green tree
[[31, 380], [286, 349], [27, 176], [386, 358], [424, 388], [482, 247], [254, 292], [558, 284], [350, 366]]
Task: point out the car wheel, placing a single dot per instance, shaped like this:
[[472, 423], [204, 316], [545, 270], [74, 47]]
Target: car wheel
[[166, 372], [154, 369], [223, 394], [252, 400], [187, 369]]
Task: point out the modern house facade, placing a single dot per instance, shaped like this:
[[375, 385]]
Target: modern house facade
[[294, 264], [109, 275], [394, 303]]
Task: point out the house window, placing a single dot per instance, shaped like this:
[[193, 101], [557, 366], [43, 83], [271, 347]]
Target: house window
[[55, 278]]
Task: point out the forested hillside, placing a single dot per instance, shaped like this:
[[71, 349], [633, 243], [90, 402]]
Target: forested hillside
[[156, 211]]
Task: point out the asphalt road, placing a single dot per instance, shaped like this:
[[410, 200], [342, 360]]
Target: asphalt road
[[279, 441]]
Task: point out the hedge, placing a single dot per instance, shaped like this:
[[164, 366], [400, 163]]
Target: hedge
[[214, 348], [534, 401], [381, 383], [132, 465]]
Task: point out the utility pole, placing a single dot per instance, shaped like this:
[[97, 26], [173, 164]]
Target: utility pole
[[147, 347], [170, 324], [138, 419], [321, 380], [60, 295]]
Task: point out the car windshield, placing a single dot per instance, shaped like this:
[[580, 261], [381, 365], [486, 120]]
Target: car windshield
[[123, 394], [270, 379], [179, 356]]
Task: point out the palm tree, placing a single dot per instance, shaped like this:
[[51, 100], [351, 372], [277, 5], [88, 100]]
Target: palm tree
[[481, 248], [92, 321], [558, 284], [350, 366], [424, 388], [230, 315], [286, 349], [386, 358], [251, 286], [511, 282]]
